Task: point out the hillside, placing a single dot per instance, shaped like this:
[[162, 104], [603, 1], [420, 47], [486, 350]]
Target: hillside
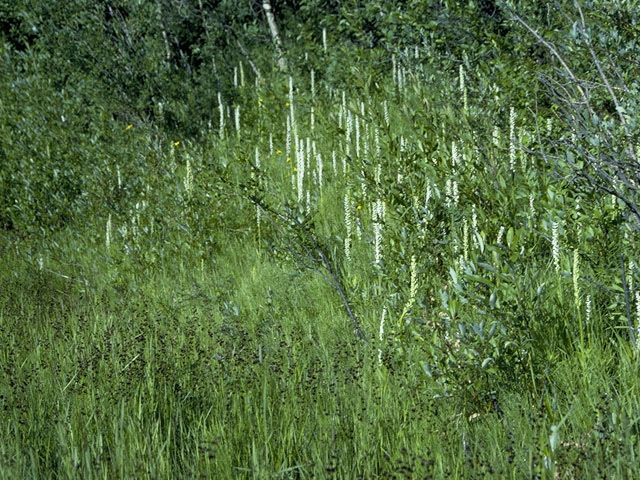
[[397, 242]]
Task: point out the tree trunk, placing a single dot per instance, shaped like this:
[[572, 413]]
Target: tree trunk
[[282, 60]]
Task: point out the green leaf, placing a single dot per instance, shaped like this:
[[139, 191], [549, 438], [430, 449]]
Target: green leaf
[[510, 234], [478, 329], [553, 438], [492, 300], [570, 159], [454, 275], [480, 242], [486, 266]]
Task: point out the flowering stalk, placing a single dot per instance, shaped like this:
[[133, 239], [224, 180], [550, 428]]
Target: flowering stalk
[[313, 84], [107, 240], [413, 286], [637, 312], [512, 140], [378, 218], [309, 154], [465, 239], [188, 178], [385, 109], [454, 183], [293, 118], [474, 225], [532, 208], [300, 169], [319, 166], [348, 132], [324, 39], [555, 246], [288, 139], [463, 89], [576, 278], [221, 108], [258, 212], [348, 225]]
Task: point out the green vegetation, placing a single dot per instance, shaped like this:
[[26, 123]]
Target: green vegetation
[[410, 254]]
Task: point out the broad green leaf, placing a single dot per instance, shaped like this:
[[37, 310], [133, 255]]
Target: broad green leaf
[[454, 275], [492, 300]]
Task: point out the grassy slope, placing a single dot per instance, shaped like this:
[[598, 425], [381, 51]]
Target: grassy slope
[[236, 363], [162, 383]]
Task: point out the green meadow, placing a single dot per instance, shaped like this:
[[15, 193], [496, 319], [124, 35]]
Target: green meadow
[[398, 242]]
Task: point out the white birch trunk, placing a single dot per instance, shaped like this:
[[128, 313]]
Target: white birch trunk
[[282, 61]]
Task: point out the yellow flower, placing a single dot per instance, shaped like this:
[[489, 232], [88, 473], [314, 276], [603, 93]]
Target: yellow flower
[[278, 152], [295, 169], [287, 104], [288, 159], [129, 127], [259, 101], [175, 144], [359, 207]]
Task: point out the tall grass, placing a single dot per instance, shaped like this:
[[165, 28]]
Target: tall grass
[[189, 330]]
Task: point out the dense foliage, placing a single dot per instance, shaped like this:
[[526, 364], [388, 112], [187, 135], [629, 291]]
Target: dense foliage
[[412, 254]]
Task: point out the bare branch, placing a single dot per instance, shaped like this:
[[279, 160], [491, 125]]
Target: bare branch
[[612, 94], [553, 50], [314, 254]]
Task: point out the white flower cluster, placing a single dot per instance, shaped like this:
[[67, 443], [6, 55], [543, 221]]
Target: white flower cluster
[[348, 224], [512, 139], [555, 246], [378, 213]]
